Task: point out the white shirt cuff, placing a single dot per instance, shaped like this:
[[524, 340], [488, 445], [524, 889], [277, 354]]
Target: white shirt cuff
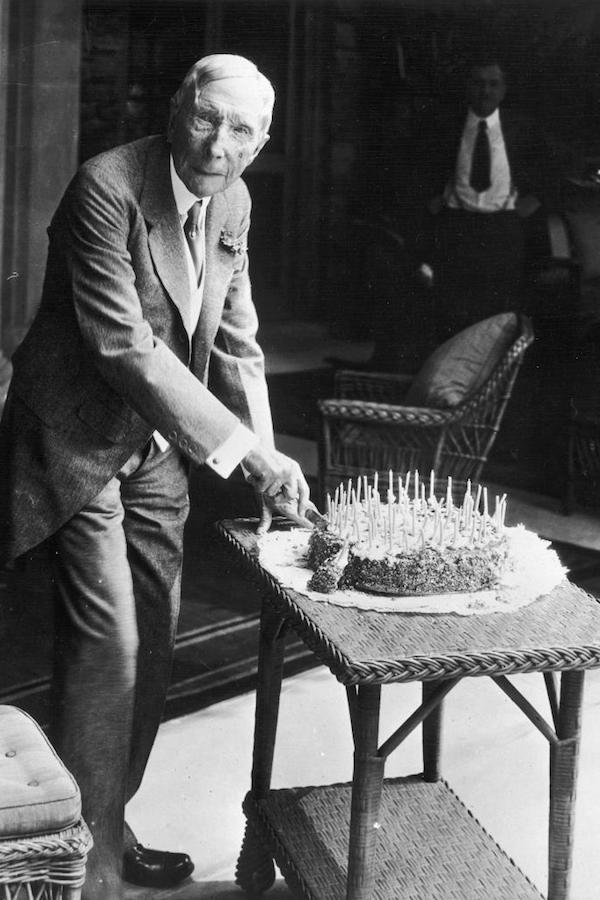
[[231, 452]]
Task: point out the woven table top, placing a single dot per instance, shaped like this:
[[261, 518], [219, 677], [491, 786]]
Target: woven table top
[[560, 631]]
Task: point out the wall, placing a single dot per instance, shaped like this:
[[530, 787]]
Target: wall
[[38, 147]]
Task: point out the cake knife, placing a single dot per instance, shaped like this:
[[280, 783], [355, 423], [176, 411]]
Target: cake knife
[[311, 514], [316, 519]]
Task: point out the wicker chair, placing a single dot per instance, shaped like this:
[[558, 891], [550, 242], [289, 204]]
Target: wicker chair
[[43, 840], [365, 428]]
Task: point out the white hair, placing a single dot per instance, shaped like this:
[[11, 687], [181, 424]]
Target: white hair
[[222, 66]]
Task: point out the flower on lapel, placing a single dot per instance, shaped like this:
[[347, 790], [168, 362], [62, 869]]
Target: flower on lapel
[[231, 243]]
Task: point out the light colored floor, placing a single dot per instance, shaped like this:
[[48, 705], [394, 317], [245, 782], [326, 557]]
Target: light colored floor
[[493, 758]]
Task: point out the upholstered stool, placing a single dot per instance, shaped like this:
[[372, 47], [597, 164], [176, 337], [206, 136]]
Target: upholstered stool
[[43, 840]]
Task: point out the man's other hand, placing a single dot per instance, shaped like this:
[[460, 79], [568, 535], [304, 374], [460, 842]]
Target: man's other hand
[[436, 204], [526, 206], [280, 481]]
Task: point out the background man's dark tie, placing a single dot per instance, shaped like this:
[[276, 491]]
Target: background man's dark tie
[[193, 237], [480, 179]]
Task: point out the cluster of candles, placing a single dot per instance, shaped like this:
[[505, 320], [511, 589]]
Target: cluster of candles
[[413, 514]]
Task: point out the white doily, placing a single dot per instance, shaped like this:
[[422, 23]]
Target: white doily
[[536, 571]]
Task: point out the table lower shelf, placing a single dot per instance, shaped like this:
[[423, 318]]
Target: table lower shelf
[[429, 846]]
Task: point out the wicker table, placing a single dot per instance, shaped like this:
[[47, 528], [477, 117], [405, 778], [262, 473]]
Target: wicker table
[[327, 840]]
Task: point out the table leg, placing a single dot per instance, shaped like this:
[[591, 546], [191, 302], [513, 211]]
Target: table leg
[[563, 774], [366, 793], [255, 872], [431, 736]]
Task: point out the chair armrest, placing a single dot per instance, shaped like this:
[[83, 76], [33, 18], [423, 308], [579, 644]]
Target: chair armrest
[[551, 272], [559, 238], [559, 266], [385, 413]]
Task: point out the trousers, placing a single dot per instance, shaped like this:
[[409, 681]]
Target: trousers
[[117, 581], [479, 259]]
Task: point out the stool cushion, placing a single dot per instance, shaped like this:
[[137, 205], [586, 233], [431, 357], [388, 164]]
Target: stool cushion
[[37, 793]]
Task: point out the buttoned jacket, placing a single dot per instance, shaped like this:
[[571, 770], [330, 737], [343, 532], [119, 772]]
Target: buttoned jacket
[[107, 360]]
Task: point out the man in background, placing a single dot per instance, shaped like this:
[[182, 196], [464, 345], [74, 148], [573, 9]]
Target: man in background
[[489, 172], [460, 211], [141, 362]]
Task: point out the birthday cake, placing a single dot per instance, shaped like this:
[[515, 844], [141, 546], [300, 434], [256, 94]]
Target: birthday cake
[[412, 543]]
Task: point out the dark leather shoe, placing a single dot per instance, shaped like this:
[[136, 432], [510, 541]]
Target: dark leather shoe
[[155, 868]]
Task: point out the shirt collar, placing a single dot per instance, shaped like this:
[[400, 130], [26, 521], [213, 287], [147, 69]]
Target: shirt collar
[[491, 120], [183, 198]]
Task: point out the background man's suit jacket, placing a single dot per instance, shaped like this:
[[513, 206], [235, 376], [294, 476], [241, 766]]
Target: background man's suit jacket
[[107, 359]]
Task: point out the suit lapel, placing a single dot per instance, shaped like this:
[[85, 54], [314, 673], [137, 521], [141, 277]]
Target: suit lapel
[[165, 235]]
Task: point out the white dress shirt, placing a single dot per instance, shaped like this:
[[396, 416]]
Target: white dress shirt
[[230, 453], [185, 200], [501, 193]]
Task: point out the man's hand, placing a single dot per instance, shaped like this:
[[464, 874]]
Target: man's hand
[[527, 205], [280, 481]]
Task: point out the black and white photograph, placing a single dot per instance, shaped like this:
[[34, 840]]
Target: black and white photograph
[[299, 449]]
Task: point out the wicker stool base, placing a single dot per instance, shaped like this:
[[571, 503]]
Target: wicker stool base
[[45, 866], [429, 845]]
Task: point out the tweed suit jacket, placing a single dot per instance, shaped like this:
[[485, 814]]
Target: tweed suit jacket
[[107, 359]]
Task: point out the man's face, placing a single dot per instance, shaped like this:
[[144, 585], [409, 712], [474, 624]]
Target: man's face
[[215, 135], [485, 90]]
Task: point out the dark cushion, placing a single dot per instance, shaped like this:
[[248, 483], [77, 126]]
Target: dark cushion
[[463, 363]]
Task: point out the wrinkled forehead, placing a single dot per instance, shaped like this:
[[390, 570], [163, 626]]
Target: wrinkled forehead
[[239, 96]]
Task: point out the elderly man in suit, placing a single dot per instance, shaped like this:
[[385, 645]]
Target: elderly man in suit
[[141, 362], [487, 175]]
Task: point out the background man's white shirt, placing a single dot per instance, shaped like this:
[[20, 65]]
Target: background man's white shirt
[[501, 194]]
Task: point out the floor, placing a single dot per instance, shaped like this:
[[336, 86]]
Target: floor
[[493, 758]]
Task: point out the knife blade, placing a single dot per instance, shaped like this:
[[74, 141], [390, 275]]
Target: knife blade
[[316, 519], [311, 514]]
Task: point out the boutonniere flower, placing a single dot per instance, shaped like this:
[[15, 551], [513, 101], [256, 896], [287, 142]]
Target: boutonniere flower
[[231, 243]]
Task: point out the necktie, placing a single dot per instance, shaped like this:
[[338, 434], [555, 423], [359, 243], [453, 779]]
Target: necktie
[[480, 179], [193, 236]]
